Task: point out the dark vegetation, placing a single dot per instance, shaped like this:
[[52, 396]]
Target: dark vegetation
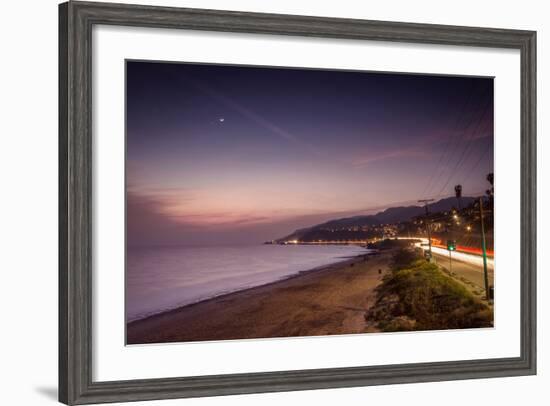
[[416, 295], [389, 243]]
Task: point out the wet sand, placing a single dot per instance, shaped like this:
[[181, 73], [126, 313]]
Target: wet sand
[[328, 300]]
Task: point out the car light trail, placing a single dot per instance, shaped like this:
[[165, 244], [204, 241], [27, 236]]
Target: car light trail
[[456, 255], [464, 257]]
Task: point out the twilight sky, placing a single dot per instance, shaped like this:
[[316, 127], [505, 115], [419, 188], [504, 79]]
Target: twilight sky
[[232, 154]]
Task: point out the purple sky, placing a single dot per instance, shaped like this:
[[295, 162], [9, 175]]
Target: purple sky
[[232, 154]]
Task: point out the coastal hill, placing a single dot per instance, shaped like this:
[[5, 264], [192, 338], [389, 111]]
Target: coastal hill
[[366, 226]]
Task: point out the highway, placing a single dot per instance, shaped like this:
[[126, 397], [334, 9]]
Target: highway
[[467, 267], [476, 260], [466, 271]]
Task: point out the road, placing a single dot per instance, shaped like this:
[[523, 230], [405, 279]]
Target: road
[[470, 272], [466, 267]]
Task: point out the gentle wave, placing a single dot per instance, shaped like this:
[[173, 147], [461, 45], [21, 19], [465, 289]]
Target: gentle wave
[[164, 278]]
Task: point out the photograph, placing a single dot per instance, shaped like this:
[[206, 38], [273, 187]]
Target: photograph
[[258, 200], [271, 202]]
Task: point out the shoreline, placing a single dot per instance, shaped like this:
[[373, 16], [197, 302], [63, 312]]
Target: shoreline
[[319, 268], [264, 311]]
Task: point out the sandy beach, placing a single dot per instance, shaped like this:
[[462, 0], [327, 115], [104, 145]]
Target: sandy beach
[[329, 300]]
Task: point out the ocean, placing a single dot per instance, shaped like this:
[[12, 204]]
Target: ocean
[[164, 278]]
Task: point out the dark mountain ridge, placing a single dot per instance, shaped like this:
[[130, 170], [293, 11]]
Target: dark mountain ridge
[[391, 215]]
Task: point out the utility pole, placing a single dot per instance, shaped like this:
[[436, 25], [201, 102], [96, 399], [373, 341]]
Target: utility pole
[[428, 228], [484, 249]]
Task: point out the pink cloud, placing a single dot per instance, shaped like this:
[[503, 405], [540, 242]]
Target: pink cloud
[[364, 161]]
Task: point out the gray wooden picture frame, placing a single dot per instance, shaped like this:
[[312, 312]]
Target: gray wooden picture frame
[[76, 20]]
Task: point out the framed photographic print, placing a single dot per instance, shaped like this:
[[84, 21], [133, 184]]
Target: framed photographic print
[[255, 202]]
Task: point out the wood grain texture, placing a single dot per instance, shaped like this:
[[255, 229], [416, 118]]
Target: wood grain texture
[[75, 202], [63, 363]]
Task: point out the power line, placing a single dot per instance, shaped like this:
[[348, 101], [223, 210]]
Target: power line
[[461, 160], [470, 150], [454, 148], [481, 157], [453, 137]]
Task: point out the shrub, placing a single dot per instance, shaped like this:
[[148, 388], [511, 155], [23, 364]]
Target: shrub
[[416, 295], [404, 258]]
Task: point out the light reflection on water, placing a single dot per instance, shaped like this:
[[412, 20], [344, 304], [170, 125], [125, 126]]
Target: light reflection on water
[[163, 278]]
